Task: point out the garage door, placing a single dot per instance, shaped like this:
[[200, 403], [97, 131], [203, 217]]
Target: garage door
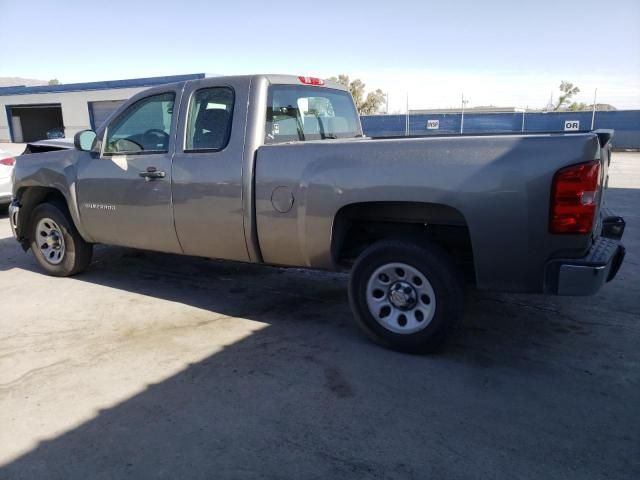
[[30, 123], [99, 111]]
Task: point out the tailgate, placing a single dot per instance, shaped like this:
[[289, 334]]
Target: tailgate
[[604, 138]]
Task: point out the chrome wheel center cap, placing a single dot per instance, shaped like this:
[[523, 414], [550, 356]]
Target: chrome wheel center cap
[[53, 241], [402, 295]]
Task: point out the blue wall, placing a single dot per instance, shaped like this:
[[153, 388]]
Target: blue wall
[[626, 123]]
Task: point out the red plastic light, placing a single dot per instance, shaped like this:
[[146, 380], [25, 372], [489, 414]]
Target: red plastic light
[[574, 198], [9, 161], [311, 80]]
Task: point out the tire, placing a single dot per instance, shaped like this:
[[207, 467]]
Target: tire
[[429, 295], [58, 247]]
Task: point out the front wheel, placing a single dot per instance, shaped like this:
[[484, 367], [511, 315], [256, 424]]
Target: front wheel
[[58, 247], [407, 297]]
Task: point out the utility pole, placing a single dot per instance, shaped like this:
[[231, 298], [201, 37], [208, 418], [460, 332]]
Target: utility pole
[[462, 116], [406, 125], [593, 114]]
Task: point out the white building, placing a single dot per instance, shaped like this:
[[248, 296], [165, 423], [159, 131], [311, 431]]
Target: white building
[[28, 114]]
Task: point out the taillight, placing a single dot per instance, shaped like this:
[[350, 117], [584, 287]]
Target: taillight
[[574, 198], [9, 161], [311, 80]]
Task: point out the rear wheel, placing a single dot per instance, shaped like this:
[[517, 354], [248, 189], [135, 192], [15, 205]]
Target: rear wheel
[[405, 296], [58, 247]]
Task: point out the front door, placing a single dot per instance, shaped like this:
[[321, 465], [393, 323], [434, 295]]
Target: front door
[[124, 194]]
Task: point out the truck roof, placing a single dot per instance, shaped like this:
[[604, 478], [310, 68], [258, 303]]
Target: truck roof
[[281, 79], [297, 80], [271, 78]]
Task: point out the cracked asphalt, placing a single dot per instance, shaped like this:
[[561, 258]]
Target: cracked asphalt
[[158, 366]]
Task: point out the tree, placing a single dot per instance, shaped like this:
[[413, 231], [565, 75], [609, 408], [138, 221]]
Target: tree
[[373, 102], [567, 91], [577, 107], [54, 81], [366, 105]]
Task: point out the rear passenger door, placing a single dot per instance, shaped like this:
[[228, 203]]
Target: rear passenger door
[[207, 170]]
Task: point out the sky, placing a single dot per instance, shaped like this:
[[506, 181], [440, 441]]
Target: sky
[[506, 53]]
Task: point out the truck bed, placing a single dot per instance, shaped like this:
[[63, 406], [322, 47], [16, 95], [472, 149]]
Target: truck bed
[[498, 184]]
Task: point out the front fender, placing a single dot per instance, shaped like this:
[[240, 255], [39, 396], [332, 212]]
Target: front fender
[[44, 175]]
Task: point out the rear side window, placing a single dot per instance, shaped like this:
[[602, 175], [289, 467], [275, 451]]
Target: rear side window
[[209, 120], [299, 113], [144, 127]]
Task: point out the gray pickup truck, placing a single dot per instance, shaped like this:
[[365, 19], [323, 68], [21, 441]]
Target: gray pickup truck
[[275, 169]]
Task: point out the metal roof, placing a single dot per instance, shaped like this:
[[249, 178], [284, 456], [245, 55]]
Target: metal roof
[[105, 85]]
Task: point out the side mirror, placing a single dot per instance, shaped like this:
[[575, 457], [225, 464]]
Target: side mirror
[[84, 139]]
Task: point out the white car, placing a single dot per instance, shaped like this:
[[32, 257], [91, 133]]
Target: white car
[[8, 161], [6, 168]]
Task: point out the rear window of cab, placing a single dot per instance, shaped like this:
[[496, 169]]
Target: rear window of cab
[[301, 113]]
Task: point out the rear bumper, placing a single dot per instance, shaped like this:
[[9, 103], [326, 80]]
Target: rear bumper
[[586, 275]]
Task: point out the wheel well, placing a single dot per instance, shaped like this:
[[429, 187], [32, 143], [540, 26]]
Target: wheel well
[[359, 225], [29, 199]]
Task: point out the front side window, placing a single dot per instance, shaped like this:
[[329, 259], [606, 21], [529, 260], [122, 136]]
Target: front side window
[[143, 127], [299, 113], [209, 121]]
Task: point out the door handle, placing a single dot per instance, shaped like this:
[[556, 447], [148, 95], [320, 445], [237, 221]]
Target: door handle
[[151, 174]]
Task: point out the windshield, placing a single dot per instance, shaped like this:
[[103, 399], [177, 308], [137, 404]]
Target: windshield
[[299, 113]]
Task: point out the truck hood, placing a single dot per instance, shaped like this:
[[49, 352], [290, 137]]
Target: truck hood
[[49, 145]]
